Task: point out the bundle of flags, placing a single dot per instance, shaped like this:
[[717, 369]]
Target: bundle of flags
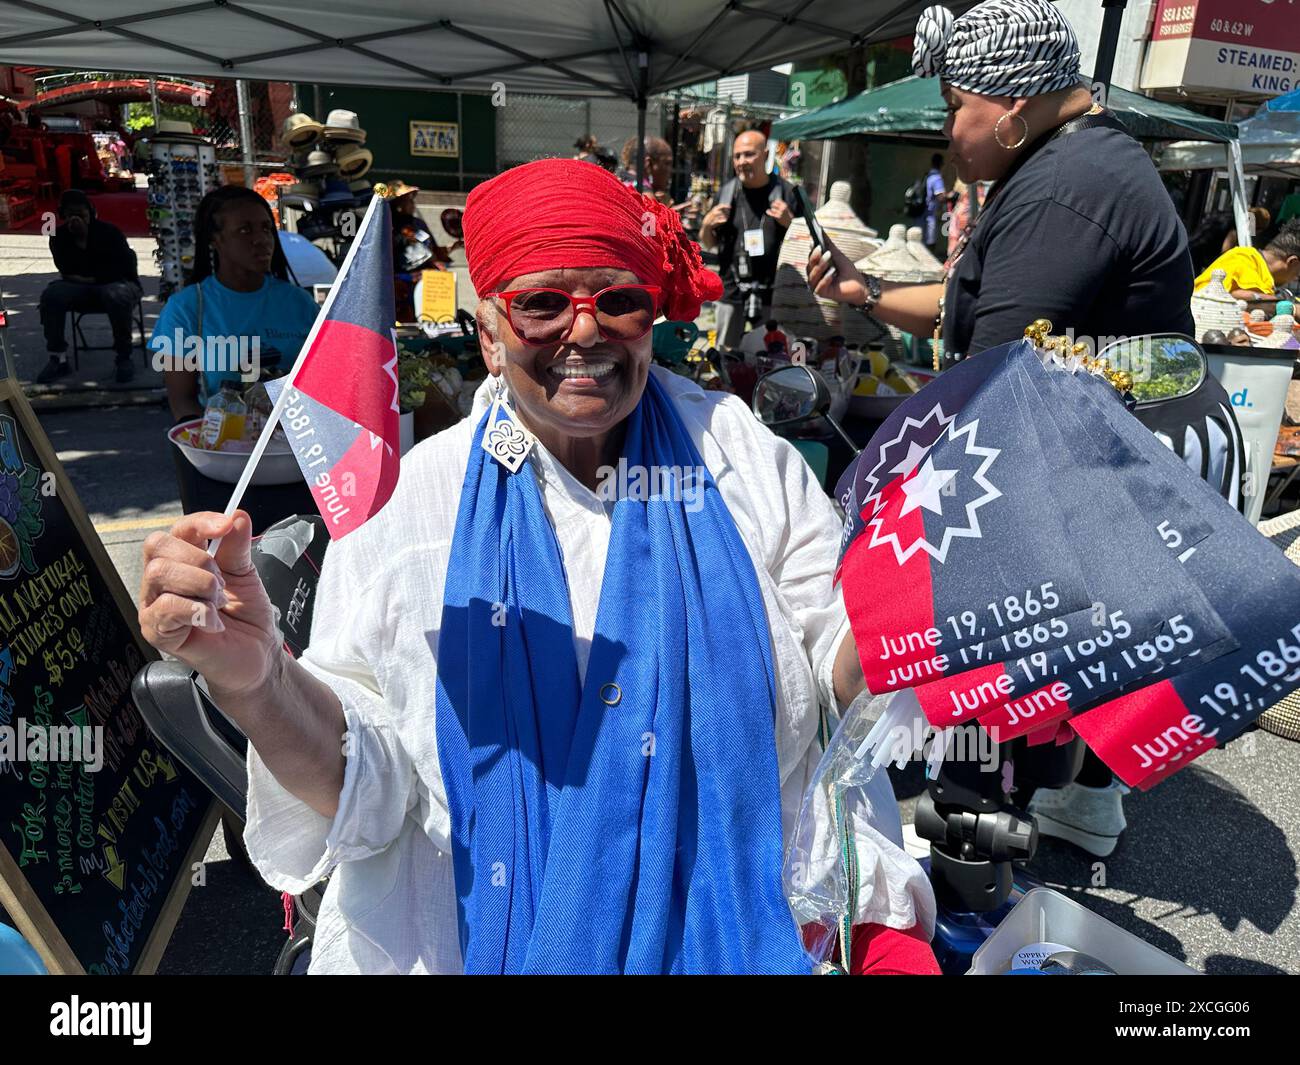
[[1019, 551]]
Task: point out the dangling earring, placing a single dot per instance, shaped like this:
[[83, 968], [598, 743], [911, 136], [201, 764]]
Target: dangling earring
[[997, 129], [504, 437]]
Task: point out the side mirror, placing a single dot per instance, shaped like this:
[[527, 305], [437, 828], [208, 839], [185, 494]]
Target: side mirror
[[1164, 366], [790, 394]]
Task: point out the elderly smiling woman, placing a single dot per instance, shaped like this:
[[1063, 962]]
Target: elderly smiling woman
[[575, 724]]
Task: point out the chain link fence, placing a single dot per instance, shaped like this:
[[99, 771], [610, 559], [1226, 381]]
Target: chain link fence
[[212, 108], [539, 127], [269, 103]]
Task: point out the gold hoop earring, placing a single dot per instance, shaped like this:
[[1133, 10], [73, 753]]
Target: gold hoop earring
[[997, 127]]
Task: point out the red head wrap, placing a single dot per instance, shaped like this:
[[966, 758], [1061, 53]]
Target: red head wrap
[[565, 213]]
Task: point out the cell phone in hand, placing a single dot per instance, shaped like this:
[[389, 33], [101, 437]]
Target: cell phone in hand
[[814, 227]]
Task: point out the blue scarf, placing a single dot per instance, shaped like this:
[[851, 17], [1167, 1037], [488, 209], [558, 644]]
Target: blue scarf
[[639, 837]]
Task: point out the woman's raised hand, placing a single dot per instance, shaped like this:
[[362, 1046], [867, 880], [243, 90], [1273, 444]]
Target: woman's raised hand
[[211, 613], [832, 275]]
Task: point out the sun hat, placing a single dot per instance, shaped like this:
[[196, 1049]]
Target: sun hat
[[300, 130], [343, 125], [353, 160], [319, 163]]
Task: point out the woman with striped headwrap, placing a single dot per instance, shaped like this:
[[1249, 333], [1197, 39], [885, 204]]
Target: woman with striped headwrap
[[1077, 227]]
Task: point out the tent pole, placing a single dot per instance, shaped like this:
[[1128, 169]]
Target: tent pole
[[823, 193], [1237, 183], [245, 133], [675, 190], [643, 79], [153, 102], [1113, 15]]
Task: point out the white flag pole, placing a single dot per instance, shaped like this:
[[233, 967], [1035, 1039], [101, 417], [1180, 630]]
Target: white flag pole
[[260, 447]]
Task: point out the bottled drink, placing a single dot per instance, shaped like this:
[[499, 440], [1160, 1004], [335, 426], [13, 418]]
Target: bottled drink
[[213, 415], [232, 425], [223, 419]]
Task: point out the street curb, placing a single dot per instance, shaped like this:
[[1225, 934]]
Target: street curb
[[90, 398]]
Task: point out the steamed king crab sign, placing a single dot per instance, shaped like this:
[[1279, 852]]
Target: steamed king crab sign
[[1243, 46]]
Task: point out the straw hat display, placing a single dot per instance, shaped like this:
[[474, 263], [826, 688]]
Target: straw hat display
[[337, 195], [300, 131], [362, 189], [319, 164], [343, 125], [174, 129], [1213, 307], [304, 195], [793, 304], [353, 160]]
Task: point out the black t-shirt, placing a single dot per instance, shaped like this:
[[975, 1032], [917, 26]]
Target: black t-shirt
[[106, 257], [749, 211], [1083, 234]]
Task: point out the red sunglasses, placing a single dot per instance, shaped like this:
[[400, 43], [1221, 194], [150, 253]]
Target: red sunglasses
[[541, 316]]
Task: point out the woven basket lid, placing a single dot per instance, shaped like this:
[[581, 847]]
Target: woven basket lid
[[793, 305], [922, 254], [836, 213], [851, 235], [1214, 307], [1282, 335], [894, 261]]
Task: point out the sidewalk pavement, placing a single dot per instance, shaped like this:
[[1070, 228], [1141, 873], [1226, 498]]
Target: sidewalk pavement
[[26, 267]]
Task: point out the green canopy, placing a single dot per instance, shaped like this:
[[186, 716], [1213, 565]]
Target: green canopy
[[913, 108]]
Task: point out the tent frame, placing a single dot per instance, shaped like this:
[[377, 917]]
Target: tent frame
[[633, 47]]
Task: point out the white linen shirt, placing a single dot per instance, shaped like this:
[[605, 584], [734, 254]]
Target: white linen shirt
[[390, 905]]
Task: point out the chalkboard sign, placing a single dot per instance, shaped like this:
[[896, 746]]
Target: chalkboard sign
[[99, 826]]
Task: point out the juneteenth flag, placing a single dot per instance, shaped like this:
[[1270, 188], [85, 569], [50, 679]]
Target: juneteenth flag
[[338, 407], [1195, 625], [951, 539]]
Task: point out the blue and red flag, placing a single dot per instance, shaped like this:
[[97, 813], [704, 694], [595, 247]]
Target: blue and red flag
[[1022, 552], [339, 411], [1145, 735], [952, 544]]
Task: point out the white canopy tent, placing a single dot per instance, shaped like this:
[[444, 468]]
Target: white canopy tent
[[632, 48], [1270, 141]]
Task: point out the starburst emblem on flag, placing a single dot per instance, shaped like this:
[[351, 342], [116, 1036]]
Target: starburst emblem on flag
[[946, 485], [898, 457], [901, 455]]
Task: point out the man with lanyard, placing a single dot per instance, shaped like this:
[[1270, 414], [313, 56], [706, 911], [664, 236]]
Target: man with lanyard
[[746, 227]]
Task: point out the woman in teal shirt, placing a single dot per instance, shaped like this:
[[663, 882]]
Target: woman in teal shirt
[[240, 314]]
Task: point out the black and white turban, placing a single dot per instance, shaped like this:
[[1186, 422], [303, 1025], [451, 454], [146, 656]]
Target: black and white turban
[[998, 48]]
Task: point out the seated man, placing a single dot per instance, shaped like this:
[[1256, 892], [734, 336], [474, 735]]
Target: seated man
[[1254, 275], [97, 274]]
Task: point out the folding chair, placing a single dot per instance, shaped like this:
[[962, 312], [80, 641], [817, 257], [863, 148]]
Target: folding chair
[[79, 338]]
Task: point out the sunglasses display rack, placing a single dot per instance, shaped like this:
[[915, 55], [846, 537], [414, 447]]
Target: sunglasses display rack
[[181, 173]]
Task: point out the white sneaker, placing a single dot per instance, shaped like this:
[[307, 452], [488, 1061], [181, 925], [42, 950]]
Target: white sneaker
[[1090, 818]]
